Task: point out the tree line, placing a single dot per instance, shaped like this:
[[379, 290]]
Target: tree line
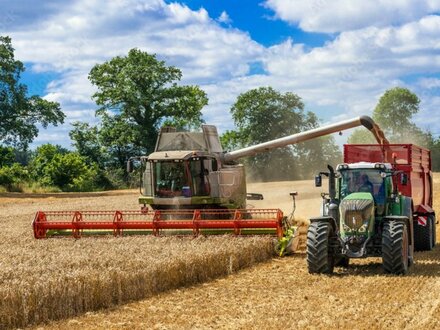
[[136, 95]]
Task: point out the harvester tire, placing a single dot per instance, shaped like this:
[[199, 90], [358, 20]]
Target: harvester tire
[[423, 235], [320, 257], [395, 249]]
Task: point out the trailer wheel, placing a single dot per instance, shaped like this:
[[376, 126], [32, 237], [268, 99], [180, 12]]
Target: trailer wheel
[[434, 230], [395, 248], [423, 235], [320, 258]]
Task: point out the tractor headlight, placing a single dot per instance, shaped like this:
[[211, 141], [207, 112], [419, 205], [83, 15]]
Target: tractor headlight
[[363, 228], [342, 167], [346, 228]]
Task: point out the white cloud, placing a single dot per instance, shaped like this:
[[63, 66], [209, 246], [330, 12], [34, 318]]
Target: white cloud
[[429, 83], [91, 32], [72, 41], [331, 16], [346, 77], [341, 79], [224, 18]]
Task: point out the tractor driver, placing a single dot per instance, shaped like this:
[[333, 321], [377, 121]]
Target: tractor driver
[[365, 185]]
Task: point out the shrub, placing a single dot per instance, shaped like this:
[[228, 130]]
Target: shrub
[[70, 172], [11, 177]]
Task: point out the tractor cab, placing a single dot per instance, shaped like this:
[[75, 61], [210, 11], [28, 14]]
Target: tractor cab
[[370, 180]]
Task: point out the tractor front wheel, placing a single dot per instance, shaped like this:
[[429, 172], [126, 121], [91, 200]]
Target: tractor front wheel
[[320, 257], [395, 247]]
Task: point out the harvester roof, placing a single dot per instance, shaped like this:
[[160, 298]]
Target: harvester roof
[[173, 155]]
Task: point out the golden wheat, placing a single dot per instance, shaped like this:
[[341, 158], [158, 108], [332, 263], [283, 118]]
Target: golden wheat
[[44, 280], [281, 294], [59, 278]]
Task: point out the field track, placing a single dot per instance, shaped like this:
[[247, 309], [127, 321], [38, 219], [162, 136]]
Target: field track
[[274, 294]]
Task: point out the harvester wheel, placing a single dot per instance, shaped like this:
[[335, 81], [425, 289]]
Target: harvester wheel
[[395, 248], [423, 235], [320, 257]]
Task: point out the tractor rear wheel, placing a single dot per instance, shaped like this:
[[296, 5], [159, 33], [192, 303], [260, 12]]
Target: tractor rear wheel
[[395, 247], [424, 235], [320, 257]]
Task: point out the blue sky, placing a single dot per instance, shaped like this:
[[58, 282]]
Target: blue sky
[[338, 55]]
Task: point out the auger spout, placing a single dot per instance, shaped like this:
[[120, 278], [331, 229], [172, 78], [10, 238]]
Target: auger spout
[[365, 121]]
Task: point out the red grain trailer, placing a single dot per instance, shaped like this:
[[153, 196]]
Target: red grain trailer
[[416, 163]]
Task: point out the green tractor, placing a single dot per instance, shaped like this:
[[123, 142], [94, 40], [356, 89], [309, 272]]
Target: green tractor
[[363, 215]]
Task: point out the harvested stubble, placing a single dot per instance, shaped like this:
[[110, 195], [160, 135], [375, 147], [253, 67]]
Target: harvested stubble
[[46, 280]]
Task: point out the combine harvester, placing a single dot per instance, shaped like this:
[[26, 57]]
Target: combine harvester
[[379, 205], [192, 187]]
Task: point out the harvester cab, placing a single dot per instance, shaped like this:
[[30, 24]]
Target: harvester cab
[[186, 171]]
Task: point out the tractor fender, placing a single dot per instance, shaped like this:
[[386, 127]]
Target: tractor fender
[[329, 220]]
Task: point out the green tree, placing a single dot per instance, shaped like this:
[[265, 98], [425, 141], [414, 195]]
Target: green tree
[[70, 172], [314, 155], [43, 156], [86, 141], [264, 114], [109, 145], [434, 146], [394, 113], [120, 139], [231, 140], [143, 91], [12, 176], [361, 136], [56, 166], [7, 156], [20, 114]]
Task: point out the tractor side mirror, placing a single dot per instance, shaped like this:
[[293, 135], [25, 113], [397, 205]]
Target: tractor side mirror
[[404, 179], [130, 166], [318, 181]]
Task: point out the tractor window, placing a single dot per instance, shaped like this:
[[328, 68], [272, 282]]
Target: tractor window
[[169, 178], [363, 180]]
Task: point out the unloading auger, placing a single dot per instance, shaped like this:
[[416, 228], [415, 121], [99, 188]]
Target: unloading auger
[[192, 187]]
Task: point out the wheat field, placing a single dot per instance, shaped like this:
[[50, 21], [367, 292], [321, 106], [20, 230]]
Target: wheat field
[[54, 279], [51, 279], [280, 294]]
